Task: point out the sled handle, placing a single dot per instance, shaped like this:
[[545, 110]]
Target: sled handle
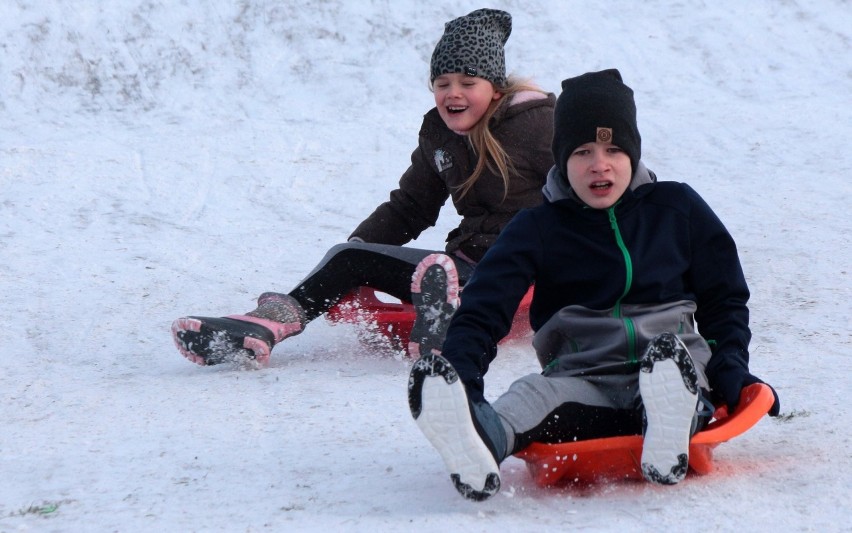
[[755, 401]]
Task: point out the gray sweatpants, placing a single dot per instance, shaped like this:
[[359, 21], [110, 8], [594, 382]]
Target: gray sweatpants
[[539, 408], [556, 409]]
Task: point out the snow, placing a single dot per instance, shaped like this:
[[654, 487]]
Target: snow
[[167, 158]]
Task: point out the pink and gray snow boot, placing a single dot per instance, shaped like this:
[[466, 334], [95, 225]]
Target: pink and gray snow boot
[[435, 295], [240, 338]]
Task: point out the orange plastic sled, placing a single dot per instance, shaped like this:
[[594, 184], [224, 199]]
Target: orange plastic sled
[[616, 458], [394, 320]]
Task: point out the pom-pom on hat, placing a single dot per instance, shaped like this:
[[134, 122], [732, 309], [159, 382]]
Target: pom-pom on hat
[[473, 45], [595, 107]]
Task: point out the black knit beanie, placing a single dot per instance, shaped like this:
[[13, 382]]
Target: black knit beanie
[[473, 45], [595, 107]]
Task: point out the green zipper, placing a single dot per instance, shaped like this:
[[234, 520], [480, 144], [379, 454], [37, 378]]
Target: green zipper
[[628, 282]]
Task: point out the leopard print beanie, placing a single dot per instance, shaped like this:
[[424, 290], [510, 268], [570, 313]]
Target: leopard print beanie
[[473, 45]]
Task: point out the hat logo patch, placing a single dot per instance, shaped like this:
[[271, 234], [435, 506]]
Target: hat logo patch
[[604, 135]]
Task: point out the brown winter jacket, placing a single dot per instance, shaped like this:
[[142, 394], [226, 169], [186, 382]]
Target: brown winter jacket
[[443, 160]]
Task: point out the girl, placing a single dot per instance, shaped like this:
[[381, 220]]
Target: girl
[[485, 144], [622, 266]]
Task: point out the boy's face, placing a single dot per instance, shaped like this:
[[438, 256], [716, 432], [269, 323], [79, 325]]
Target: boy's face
[[599, 173], [462, 100]]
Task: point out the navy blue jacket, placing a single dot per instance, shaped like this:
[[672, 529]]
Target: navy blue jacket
[[660, 243]]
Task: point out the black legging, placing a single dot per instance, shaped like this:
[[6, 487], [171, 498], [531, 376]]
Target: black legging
[[574, 421], [354, 264]]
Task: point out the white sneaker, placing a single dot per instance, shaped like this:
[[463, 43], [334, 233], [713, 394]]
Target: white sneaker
[[669, 390], [440, 407]]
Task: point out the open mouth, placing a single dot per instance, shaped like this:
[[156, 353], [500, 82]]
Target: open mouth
[[454, 109], [601, 185]]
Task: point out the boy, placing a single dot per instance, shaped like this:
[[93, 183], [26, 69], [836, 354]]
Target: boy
[[623, 269]]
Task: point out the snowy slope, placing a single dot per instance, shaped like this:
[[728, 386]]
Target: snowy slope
[[164, 158]]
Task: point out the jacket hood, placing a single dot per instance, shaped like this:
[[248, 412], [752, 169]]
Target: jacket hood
[[557, 187]]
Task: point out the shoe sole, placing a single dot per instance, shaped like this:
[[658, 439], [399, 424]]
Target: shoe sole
[[428, 331], [668, 385], [440, 407], [210, 341]]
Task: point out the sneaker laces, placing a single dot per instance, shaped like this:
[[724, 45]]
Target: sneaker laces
[[703, 413]]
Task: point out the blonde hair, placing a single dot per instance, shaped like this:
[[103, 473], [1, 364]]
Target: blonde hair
[[489, 150]]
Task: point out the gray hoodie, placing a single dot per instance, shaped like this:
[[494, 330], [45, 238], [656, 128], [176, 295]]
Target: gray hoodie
[[556, 187]]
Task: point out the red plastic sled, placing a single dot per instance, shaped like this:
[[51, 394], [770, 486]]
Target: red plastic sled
[[394, 320], [616, 458]]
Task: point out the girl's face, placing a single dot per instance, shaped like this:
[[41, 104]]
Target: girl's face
[[599, 173], [462, 100]]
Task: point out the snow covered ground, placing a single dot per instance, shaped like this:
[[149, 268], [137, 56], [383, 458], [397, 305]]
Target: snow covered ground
[[164, 158]]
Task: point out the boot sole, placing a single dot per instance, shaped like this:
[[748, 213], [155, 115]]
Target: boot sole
[[210, 341], [428, 331]]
